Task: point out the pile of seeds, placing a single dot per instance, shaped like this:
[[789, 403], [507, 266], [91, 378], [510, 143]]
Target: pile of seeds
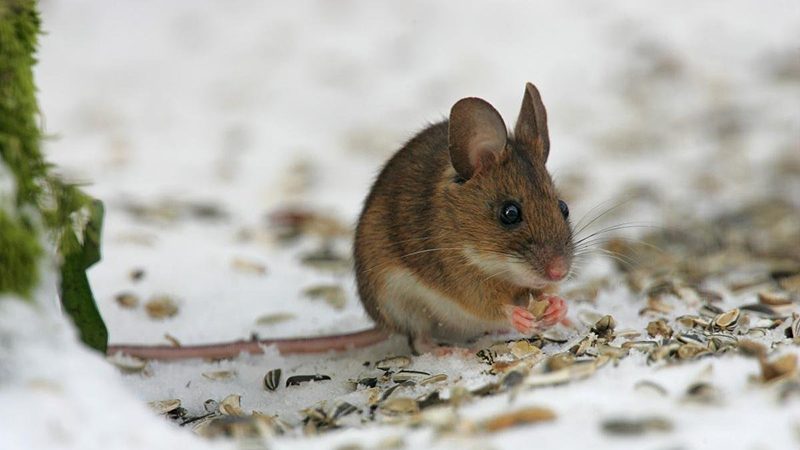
[[750, 259]]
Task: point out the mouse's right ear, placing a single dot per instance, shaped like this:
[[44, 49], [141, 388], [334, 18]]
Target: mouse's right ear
[[477, 135], [531, 129]]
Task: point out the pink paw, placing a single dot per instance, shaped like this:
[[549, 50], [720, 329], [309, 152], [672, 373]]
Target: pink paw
[[523, 320], [526, 323]]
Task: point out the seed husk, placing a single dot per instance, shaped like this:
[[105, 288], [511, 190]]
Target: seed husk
[[247, 266], [127, 300], [161, 307], [273, 319], [774, 299], [296, 380], [751, 348], [220, 375], [538, 308], [636, 427], [409, 375], [165, 406], [232, 406], [272, 379], [793, 331], [393, 363], [332, 294], [523, 348], [211, 405], [726, 320], [691, 351], [127, 363], [521, 417], [778, 369], [399, 406], [342, 409], [433, 379], [605, 326], [136, 275], [702, 392], [659, 328], [646, 385]]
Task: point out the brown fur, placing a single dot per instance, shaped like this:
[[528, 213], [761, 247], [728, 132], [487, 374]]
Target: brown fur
[[421, 214]]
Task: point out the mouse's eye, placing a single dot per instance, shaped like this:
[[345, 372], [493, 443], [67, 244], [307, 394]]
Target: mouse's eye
[[562, 205], [510, 213]]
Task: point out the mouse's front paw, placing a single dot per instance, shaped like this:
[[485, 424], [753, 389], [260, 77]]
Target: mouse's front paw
[[523, 320]]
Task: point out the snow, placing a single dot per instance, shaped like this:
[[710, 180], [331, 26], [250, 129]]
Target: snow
[[255, 106]]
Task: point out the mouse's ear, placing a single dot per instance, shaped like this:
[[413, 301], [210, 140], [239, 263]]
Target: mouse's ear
[[531, 128], [477, 135]]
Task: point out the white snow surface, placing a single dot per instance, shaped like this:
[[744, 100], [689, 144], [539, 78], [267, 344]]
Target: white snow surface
[[254, 106]]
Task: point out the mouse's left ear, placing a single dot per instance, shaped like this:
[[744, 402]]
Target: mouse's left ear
[[531, 129], [477, 135]]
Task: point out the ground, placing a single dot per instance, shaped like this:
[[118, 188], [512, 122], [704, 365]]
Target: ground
[[195, 122]]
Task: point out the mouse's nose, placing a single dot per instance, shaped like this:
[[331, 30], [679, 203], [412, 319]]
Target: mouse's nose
[[557, 269]]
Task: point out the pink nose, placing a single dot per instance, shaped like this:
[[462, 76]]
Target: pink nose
[[557, 269]]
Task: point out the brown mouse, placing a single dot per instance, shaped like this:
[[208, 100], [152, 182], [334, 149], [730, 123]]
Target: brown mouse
[[462, 228], [462, 225]]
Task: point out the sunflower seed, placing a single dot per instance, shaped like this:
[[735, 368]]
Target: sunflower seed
[[296, 380], [272, 379]]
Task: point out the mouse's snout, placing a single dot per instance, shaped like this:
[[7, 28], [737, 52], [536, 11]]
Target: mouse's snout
[[557, 269]]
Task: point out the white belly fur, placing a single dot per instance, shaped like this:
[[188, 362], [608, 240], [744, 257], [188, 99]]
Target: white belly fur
[[427, 312]]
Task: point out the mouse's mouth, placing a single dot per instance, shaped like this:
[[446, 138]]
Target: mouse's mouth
[[510, 269]]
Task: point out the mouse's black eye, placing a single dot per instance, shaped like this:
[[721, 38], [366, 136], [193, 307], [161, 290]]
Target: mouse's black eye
[[562, 205], [510, 213]]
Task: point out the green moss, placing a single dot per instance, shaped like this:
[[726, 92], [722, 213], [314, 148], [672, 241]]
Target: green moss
[[19, 252], [20, 149]]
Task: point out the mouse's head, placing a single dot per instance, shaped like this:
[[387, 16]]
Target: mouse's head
[[509, 216]]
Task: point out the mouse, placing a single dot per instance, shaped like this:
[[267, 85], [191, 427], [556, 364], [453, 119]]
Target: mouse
[[463, 227], [461, 233]]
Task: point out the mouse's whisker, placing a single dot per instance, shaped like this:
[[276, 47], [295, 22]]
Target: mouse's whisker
[[602, 240], [585, 216], [622, 226]]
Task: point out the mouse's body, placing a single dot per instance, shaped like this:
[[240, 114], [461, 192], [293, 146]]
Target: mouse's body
[[461, 225]]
